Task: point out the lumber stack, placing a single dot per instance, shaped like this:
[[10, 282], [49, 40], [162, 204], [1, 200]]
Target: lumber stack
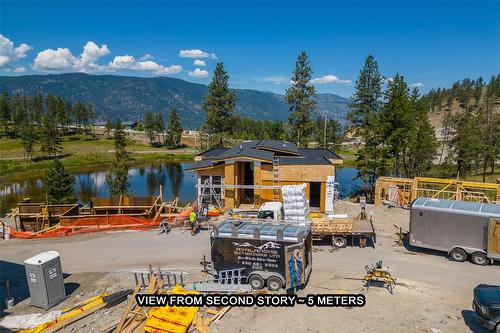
[[136, 319]]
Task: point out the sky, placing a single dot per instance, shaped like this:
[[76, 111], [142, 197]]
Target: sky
[[432, 44]]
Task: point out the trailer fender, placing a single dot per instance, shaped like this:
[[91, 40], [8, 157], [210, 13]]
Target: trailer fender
[[467, 249]]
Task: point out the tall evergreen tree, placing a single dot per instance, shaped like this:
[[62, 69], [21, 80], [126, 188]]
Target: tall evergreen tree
[[108, 128], [422, 143], [174, 129], [5, 112], [149, 126], [159, 125], [58, 184], [50, 137], [218, 105], [396, 121], [466, 145], [371, 158], [365, 102], [117, 178], [299, 98]]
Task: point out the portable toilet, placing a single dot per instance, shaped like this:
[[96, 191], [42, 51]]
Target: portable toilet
[[45, 279]]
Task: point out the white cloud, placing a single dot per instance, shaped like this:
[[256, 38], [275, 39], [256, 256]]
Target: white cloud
[[329, 79], [274, 79], [195, 53], [417, 85], [9, 53], [199, 62], [20, 69], [198, 73], [62, 59], [147, 57], [88, 61], [130, 63], [54, 60]]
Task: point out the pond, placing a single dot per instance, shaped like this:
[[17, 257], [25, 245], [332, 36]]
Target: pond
[[144, 181]]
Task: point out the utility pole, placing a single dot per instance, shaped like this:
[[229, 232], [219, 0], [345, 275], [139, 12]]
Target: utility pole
[[324, 135]]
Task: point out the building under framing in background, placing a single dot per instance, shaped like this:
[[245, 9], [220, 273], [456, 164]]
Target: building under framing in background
[[252, 172]]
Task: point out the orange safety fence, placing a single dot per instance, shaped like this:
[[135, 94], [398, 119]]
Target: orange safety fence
[[89, 225]]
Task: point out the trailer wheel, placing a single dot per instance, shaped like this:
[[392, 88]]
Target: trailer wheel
[[274, 283], [457, 254], [256, 281], [339, 242], [479, 258]]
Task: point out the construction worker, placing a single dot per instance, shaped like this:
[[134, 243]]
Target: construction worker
[[193, 223]]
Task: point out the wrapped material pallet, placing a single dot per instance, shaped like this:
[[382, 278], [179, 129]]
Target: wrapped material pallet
[[295, 204]]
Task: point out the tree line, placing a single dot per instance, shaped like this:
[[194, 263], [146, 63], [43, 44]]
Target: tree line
[[398, 140], [42, 119], [223, 128]]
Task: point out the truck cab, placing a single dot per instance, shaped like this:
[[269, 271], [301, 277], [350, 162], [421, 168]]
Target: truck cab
[[271, 210]]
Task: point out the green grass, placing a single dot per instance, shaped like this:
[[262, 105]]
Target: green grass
[[80, 154]]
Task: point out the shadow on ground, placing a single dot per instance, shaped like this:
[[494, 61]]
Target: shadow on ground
[[18, 284], [472, 323]]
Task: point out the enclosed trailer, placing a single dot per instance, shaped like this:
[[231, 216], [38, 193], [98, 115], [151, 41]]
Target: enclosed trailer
[[276, 255], [461, 228]]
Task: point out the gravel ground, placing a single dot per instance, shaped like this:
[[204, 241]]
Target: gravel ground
[[432, 293]]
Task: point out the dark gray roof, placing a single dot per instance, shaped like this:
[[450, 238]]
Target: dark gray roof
[[266, 150], [199, 164], [276, 145], [212, 152], [245, 149], [310, 157]]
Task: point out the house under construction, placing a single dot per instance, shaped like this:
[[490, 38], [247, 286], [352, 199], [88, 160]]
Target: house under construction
[[402, 191], [254, 171]]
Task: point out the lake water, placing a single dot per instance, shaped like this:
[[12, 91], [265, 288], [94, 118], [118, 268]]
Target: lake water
[[144, 181]]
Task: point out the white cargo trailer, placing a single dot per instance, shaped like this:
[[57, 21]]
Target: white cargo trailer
[[461, 228]]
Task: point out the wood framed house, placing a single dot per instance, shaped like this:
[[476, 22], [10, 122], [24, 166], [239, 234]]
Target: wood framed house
[[253, 171]]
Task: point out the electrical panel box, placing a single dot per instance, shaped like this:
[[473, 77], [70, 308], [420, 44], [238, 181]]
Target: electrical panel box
[[45, 279]]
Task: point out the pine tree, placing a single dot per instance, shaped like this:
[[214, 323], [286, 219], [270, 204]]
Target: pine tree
[[466, 145], [372, 158], [108, 128], [117, 178], [396, 121], [174, 129], [218, 105], [299, 98], [50, 137], [5, 113], [159, 125], [58, 184], [365, 102], [332, 137], [149, 126], [421, 140]]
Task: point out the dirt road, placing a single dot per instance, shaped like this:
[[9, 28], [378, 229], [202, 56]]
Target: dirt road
[[433, 294]]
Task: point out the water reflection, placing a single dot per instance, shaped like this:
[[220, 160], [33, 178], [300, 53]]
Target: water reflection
[[144, 180]]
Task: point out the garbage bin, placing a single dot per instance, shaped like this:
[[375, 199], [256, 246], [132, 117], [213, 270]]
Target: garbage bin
[[45, 279]]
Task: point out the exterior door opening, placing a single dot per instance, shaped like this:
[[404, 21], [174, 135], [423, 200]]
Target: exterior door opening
[[315, 195], [248, 180]]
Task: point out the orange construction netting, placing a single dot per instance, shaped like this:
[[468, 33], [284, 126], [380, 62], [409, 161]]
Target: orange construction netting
[[90, 224]]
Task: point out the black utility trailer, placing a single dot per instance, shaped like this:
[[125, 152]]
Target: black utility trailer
[[276, 255]]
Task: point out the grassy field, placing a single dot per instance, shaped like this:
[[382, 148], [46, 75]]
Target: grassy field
[[78, 154]]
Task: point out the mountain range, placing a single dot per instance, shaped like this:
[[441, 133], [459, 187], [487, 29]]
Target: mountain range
[[128, 98]]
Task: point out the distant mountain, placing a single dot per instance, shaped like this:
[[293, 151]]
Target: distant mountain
[[128, 98]]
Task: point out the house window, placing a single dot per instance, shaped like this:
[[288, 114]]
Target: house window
[[211, 195]]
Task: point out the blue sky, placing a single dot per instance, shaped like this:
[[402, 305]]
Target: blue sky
[[431, 43]]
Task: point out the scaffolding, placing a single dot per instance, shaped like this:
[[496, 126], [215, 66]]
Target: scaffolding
[[402, 191]]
